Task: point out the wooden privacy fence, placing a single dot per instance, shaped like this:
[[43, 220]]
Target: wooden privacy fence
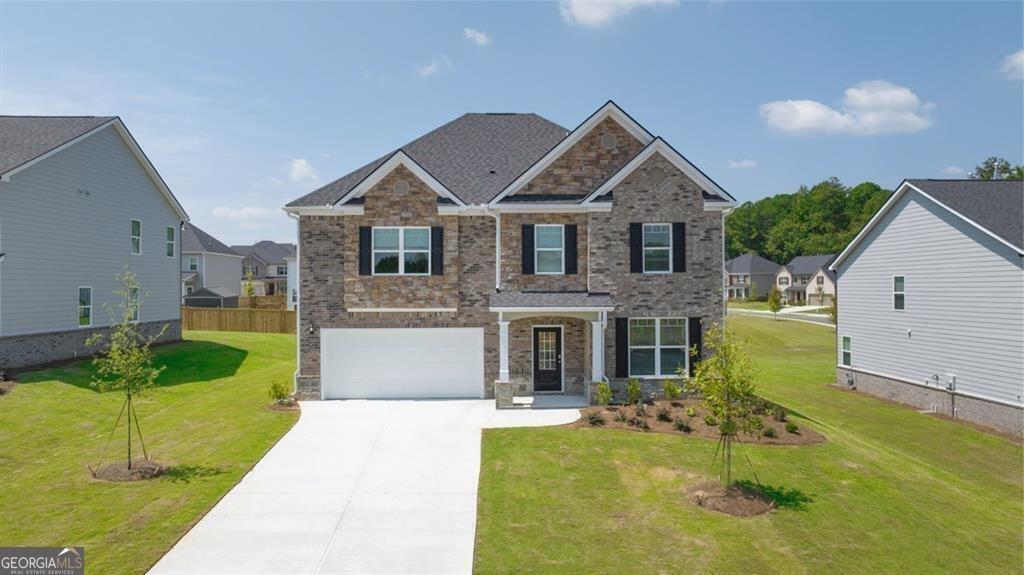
[[240, 319], [263, 301]]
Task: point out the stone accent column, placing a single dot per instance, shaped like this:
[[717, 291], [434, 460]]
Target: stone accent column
[[597, 350], [502, 394], [503, 351]]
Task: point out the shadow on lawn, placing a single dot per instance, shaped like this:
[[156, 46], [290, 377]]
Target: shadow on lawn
[[782, 497], [185, 362], [188, 473]]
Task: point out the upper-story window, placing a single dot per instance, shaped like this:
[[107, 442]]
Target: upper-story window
[[170, 249], [193, 263], [657, 248], [549, 242], [282, 270], [136, 246], [899, 293], [821, 280], [249, 270], [84, 306], [783, 281], [401, 251]]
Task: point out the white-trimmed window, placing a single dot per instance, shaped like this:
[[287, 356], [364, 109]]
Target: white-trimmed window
[[657, 347], [821, 280], [170, 241], [549, 248], [84, 306], [133, 304], [282, 270], [400, 251], [193, 263], [847, 351], [249, 270], [783, 281], [188, 290], [899, 293], [295, 295], [136, 246], [657, 248]]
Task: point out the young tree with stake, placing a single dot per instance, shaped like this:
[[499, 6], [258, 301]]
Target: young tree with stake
[[775, 301]]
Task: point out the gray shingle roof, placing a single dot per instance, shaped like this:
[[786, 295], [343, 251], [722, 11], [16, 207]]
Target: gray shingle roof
[[550, 299], [475, 156], [807, 265], [213, 291], [194, 239], [24, 138], [270, 253], [996, 205], [751, 264]]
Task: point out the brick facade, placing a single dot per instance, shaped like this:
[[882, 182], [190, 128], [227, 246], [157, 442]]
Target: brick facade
[[22, 351], [512, 254], [575, 357]]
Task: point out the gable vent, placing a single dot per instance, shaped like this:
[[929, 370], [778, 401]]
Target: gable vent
[[401, 187], [609, 141], [656, 176]]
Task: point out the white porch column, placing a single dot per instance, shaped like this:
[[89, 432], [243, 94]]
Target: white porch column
[[597, 350], [503, 351]]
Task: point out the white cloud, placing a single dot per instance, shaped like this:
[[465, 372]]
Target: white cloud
[[244, 213], [1013, 65], [302, 171], [477, 37], [435, 67], [953, 171], [869, 108], [598, 14], [742, 164]]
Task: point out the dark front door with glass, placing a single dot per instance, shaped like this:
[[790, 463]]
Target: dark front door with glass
[[547, 359]]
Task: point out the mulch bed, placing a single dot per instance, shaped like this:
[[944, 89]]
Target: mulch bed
[[141, 469], [625, 417], [290, 404], [736, 500]]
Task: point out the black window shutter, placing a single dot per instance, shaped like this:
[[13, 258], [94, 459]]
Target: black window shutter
[[696, 340], [636, 248], [437, 250], [365, 247], [527, 249], [570, 249], [622, 347], [679, 247]]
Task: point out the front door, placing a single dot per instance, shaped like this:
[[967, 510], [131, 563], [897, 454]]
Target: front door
[[547, 359]]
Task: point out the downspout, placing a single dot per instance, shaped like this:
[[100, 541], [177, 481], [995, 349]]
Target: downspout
[[497, 245], [298, 302], [721, 275]]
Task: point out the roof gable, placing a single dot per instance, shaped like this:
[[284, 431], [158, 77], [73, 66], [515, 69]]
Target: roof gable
[[195, 240], [399, 158], [751, 263], [808, 265], [266, 251]]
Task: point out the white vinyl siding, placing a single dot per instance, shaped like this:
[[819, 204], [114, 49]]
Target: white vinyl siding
[[549, 249], [968, 302]]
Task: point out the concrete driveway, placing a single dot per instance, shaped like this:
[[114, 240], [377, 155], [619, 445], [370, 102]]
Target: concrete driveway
[[357, 487]]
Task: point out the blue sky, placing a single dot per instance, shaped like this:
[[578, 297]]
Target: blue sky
[[243, 107]]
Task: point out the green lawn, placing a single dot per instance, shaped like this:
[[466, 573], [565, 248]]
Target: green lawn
[[893, 491], [756, 305], [208, 418]]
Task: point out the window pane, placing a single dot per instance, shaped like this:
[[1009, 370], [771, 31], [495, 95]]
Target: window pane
[[846, 358], [170, 234], [385, 262], [656, 236], [641, 332], [673, 332], [385, 239], [136, 245], [136, 228], [549, 261], [656, 260], [898, 301], [671, 360], [897, 283], [417, 263], [170, 249], [549, 236], [84, 316], [417, 239], [641, 361], [84, 296], [846, 343]]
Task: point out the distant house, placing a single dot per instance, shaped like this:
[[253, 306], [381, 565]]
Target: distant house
[[293, 283], [742, 273], [266, 262], [913, 325], [806, 280], [80, 203], [212, 297], [206, 262]]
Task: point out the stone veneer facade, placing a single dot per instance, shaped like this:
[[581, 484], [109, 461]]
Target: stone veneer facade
[[23, 351]]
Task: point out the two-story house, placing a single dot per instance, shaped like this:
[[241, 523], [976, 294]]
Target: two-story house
[[79, 204], [749, 276], [211, 272], [503, 249], [265, 263], [806, 280]]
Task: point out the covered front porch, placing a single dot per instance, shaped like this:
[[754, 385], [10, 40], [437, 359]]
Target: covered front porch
[[550, 344]]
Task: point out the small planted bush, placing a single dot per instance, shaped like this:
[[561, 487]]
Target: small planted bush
[[639, 423], [279, 391], [792, 427], [621, 416], [671, 389], [595, 419], [756, 425], [779, 413], [633, 391], [710, 421], [682, 425], [664, 415], [603, 395], [691, 412], [769, 432]]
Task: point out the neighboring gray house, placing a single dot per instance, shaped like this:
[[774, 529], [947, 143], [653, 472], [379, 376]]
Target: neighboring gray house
[[501, 254], [800, 279], [266, 262], [79, 203], [931, 311], [206, 262], [746, 271]]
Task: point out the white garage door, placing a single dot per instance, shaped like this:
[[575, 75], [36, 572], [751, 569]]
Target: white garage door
[[401, 363]]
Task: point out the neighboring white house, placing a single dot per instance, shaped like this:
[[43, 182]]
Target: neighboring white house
[[206, 262], [931, 301], [293, 287], [80, 203]]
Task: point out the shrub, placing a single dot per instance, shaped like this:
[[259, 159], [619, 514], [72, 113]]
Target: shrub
[[682, 425], [691, 412], [640, 423], [769, 432], [595, 419], [279, 390], [710, 420], [760, 407], [792, 427], [779, 413], [671, 389], [633, 391], [621, 416], [664, 415], [603, 396], [755, 425]]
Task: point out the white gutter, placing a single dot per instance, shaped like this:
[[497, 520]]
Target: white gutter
[[497, 245], [298, 334]]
